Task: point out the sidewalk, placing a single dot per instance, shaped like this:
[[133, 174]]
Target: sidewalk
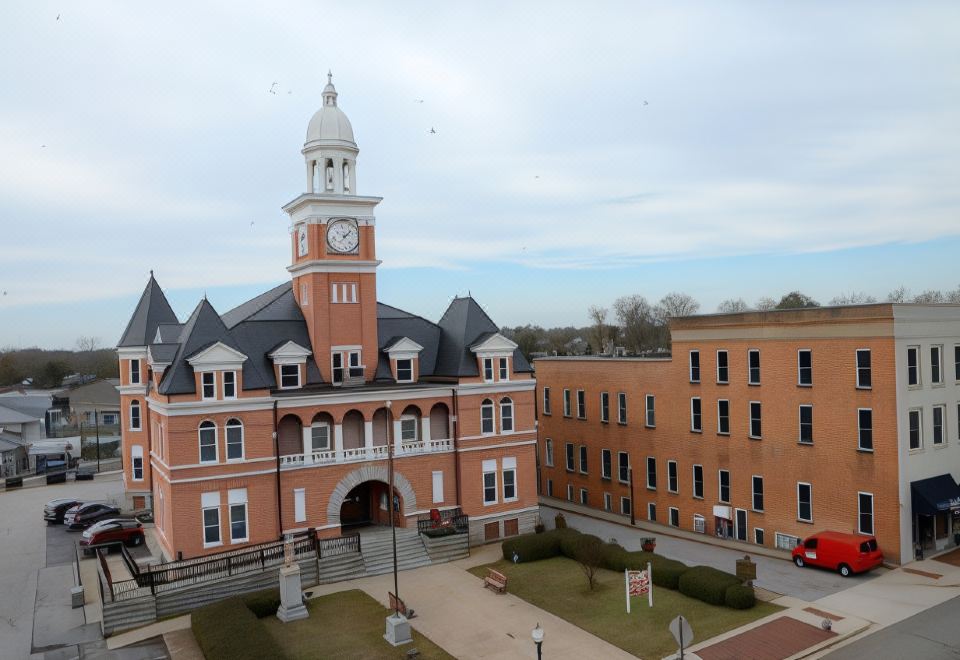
[[466, 620]]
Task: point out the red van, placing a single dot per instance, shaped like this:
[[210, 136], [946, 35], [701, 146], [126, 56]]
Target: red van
[[846, 553]]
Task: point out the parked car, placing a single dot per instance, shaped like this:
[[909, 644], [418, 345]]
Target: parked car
[[84, 515], [54, 510], [845, 553], [111, 532]]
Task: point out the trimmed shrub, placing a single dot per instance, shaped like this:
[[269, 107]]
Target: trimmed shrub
[[439, 532], [244, 639], [706, 583], [570, 543], [614, 557], [740, 597], [667, 572], [532, 547], [263, 603]]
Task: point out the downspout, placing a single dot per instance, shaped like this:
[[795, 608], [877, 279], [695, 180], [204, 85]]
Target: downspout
[[276, 448], [456, 444], [146, 405]]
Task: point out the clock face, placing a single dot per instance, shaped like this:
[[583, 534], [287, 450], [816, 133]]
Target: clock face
[[302, 240], [343, 235]]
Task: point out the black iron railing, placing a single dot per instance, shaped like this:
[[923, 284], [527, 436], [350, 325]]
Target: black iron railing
[[448, 517], [339, 545]]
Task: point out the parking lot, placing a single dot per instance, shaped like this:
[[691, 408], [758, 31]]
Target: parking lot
[[36, 574]]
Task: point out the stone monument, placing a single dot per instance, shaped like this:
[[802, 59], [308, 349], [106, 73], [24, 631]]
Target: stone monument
[[291, 597], [398, 630]]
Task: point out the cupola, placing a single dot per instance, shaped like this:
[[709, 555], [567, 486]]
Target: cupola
[[330, 150]]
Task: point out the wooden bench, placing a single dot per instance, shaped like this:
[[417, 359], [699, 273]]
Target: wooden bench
[[496, 580]]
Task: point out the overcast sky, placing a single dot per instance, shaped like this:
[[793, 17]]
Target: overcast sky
[[582, 151]]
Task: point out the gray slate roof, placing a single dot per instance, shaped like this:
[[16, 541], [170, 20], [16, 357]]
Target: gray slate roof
[[261, 324], [11, 416], [152, 310]]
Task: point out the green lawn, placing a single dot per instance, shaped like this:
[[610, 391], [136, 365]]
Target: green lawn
[[559, 586], [348, 624]]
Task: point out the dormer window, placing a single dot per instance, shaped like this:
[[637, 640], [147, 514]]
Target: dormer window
[[405, 371], [135, 372], [494, 352], [504, 369], [208, 385], [289, 376], [488, 370], [229, 384]]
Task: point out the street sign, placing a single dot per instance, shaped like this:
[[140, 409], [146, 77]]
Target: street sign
[[638, 583], [682, 632]]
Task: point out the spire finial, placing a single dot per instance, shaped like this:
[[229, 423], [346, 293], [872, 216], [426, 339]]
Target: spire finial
[[151, 272]]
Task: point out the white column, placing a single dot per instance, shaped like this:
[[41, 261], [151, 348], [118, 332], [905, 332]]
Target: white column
[[368, 437], [425, 429], [338, 441], [307, 444], [310, 176], [338, 175]]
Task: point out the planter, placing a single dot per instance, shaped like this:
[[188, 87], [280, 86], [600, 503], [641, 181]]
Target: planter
[[648, 544]]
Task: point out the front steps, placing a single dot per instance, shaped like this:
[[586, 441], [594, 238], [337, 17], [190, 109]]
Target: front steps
[[377, 550]]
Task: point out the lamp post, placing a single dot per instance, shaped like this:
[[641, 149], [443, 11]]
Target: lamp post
[[393, 527], [537, 635]]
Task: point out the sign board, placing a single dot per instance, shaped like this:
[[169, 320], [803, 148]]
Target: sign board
[[638, 583], [746, 569], [724, 512], [681, 630]]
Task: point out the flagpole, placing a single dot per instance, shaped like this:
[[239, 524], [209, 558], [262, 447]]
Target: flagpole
[[626, 584], [650, 585]]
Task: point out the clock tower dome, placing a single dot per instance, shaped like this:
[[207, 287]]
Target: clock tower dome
[[333, 259]]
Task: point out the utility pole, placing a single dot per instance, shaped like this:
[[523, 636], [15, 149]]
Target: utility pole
[[633, 517], [393, 525]]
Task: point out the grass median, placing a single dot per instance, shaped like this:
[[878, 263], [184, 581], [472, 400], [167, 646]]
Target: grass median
[[558, 586]]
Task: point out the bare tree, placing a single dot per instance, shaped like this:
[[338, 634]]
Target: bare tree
[[953, 296], [675, 304], [930, 296], [733, 306], [598, 316], [635, 316], [899, 295], [796, 300], [87, 344], [589, 556], [766, 303], [853, 298]]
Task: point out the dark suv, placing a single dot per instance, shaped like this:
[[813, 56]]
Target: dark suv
[[84, 515], [54, 510], [112, 531]]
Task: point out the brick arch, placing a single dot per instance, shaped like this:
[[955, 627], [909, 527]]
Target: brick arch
[[369, 473]]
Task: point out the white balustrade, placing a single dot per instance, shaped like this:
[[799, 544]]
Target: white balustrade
[[374, 453]]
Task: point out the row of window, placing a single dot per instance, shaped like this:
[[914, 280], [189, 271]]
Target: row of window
[[914, 367], [939, 426], [804, 367], [582, 405], [210, 507], [508, 476], [506, 416], [502, 371]]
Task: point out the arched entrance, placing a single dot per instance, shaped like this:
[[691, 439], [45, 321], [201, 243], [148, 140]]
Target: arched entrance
[[366, 504], [379, 477]]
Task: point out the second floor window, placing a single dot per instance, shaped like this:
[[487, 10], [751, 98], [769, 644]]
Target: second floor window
[[566, 403], [936, 365], [651, 473], [755, 426], [753, 362], [865, 429], [864, 372], [723, 370], [208, 442], [651, 405], [234, 431], [605, 463], [583, 459], [698, 481], [506, 415], [913, 365], [208, 385], [622, 407], [549, 452], [723, 417], [134, 415], [724, 483], [546, 400], [757, 495], [135, 372], [939, 413], [915, 428], [672, 481], [805, 367], [289, 375], [581, 404], [604, 406], [694, 366], [570, 456], [486, 417], [623, 466], [229, 384], [696, 418], [806, 424]]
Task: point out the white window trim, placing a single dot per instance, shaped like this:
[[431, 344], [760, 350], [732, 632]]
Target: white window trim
[[488, 404], [751, 351], [746, 526], [608, 502], [753, 492], [676, 474], [135, 381], [856, 367], [699, 524], [750, 420], [503, 368], [569, 457], [570, 493], [726, 380], [304, 297], [873, 514], [693, 483], [860, 446], [548, 457], [720, 430], [485, 362], [919, 367], [759, 529], [505, 403], [581, 404], [810, 490], [720, 487], [404, 380], [583, 499], [224, 385], [416, 428], [549, 487], [299, 505], [693, 428], [605, 409], [919, 412], [509, 464], [800, 439], [566, 402], [582, 453], [652, 511], [212, 385], [136, 452], [647, 471], [621, 408], [216, 443], [547, 410], [623, 509], [800, 382], [299, 379], [212, 504], [619, 464], [238, 497], [690, 365], [672, 512], [135, 404], [647, 409], [496, 491], [942, 381], [608, 475], [226, 440], [943, 425]]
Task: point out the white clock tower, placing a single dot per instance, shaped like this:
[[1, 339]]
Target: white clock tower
[[334, 259]]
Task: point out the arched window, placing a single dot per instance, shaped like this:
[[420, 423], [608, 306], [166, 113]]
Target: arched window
[[486, 416], [234, 440], [506, 415], [208, 442], [134, 415]]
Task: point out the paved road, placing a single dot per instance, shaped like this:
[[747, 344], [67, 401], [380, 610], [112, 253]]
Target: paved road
[[775, 575], [931, 635], [32, 553]]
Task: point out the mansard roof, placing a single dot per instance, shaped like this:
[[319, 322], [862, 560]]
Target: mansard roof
[[463, 325], [152, 310]]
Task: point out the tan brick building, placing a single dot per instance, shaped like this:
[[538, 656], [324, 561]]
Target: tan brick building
[[767, 426], [278, 416]]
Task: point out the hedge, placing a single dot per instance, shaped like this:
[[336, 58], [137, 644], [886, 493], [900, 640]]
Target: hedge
[[702, 582], [244, 639], [707, 584], [740, 597], [263, 603]]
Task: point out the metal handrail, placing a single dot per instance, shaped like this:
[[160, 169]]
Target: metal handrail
[[339, 545]]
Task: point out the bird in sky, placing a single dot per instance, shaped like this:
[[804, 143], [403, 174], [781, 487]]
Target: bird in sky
[[58, 17], [645, 103], [418, 100], [433, 131], [4, 293], [271, 88]]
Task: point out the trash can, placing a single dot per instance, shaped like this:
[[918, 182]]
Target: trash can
[[76, 597]]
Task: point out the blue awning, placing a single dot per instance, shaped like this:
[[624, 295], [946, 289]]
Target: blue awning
[[935, 494]]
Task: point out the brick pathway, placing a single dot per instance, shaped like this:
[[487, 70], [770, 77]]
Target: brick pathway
[[774, 640]]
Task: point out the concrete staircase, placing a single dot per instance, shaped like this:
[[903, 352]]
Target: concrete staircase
[[447, 548], [341, 567], [377, 549]]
